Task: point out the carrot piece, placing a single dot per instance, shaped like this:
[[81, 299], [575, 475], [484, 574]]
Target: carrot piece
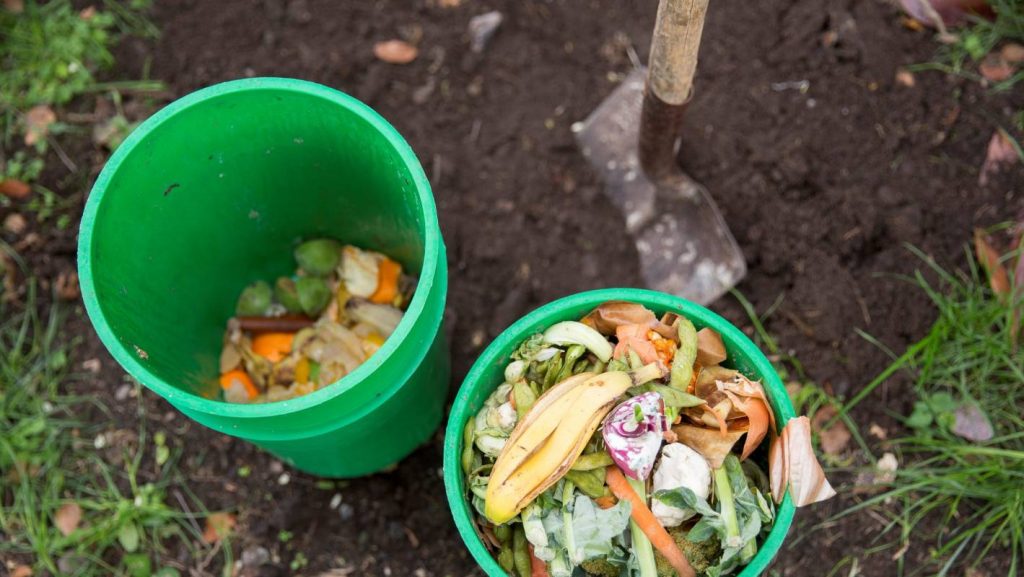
[[388, 272], [273, 346], [606, 502], [648, 523], [228, 378], [537, 567]]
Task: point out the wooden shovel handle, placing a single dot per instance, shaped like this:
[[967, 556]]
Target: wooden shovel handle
[[672, 65]]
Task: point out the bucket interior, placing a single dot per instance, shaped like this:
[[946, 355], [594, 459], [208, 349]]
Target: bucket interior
[[215, 192]]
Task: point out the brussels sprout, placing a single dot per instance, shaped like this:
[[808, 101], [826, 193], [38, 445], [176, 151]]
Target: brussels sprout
[[287, 295], [254, 300], [313, 294], [318, 257]]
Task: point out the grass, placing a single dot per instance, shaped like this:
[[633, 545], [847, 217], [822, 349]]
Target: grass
[[50, 53], [50, 457], [980, 37], [972, 492]]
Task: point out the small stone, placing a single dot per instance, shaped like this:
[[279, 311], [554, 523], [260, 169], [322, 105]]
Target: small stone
[[284, 479], [92, 365], [255, 556], [276, 467], [335, 501], [15, 223], [123, 392], [905, 77], [346, 512], [482, 28]]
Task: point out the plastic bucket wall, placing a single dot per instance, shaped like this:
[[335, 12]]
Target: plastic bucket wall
[[213, 193], [488, 372]]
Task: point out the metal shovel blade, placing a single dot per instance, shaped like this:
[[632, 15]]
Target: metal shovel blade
[[684, 245]]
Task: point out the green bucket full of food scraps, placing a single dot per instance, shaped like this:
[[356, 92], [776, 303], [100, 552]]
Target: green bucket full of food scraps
[[625, 432], [265, 255]]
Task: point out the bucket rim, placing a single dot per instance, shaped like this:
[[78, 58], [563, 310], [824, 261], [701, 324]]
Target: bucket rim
[[546, 315], [187, 400]]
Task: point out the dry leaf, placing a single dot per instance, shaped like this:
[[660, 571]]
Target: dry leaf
[[793, 464], [987, 256], [87, 13], [218, 526], [905, 77], [67, 518], [876, 431], [395, 51], [15, 189], [15, 223], [612, 314], [758, 415], [885, 469], [15, 6], [37, 123], [711, 444], [833, 439], [634, 337], [67, 285], [1012, 53], [21, 571], [710, 348], [92, 365], [995, 68], [972, 424], [940, 13], [1001, 152]]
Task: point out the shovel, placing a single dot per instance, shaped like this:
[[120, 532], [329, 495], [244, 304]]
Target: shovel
[[684, 245]]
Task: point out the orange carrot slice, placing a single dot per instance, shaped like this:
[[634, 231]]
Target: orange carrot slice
[[228, 378], [388, 272], [606, 502], [273, 346], [648, 523]]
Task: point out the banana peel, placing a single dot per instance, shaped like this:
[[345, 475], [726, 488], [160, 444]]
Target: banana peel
[[549, 439]]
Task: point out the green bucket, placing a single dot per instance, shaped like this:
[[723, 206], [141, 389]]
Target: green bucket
[[488, 372], [213, 193]]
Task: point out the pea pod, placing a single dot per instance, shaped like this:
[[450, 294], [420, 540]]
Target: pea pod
[[591, 483], [592, 461], [521, 552], [572, 354], [467, 445], [503, 533], [554, 368], [505, 558], [686, 355], [524, 397]]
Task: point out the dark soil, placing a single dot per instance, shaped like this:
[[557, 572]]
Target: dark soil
[[823, 164]]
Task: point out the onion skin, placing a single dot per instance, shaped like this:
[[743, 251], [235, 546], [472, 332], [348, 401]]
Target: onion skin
[[952, 12]]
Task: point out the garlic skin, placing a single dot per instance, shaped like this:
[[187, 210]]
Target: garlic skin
[[680, 466], [495, 421]]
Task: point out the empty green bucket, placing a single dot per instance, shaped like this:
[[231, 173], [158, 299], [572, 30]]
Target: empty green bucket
[[213, 193], [488, 372]]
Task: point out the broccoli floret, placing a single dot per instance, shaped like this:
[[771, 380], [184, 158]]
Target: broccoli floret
[[700, 555], [600, 567]]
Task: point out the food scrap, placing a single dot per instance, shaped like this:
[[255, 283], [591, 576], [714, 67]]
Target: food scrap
[[310, 329], [612, 448]]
